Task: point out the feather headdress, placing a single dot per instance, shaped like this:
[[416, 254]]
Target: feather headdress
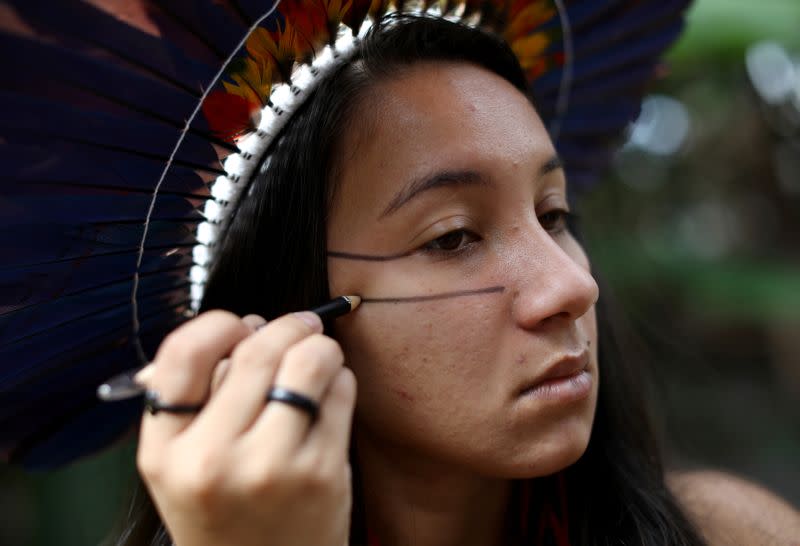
[[129, 129]]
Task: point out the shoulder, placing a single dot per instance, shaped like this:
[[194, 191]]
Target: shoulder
[[729, 510]]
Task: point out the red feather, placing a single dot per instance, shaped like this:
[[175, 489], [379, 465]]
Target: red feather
[[228, 115]]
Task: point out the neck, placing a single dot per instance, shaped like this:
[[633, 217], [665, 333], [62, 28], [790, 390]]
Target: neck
[[411, 501]]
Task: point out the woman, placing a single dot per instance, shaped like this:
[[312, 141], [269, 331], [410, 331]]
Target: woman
[[421, 177], [491, 408]]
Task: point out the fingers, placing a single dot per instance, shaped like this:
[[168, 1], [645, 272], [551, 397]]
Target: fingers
[[219, 375], [242, 395], [183, 367], [308, 368], [254, 322], [330, 436], [289, 352]]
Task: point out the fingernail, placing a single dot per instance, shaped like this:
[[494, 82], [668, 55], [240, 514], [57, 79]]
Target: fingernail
[[254, 322], [312, 319], [144, 375]]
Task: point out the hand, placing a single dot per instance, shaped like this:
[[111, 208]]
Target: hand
[[242, 472]]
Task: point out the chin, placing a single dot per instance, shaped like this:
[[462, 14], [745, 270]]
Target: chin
[[545, 454]]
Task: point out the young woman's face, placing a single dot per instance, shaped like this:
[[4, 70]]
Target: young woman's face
[[447, 212]]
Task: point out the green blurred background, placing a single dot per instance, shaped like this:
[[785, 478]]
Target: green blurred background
[[698, 241]]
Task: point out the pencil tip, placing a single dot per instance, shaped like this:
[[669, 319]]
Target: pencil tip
[[355, 301]]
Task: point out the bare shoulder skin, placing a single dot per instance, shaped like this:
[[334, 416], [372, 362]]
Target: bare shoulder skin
[[731, 511]]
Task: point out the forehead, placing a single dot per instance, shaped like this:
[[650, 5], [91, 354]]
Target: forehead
[[431, 116]]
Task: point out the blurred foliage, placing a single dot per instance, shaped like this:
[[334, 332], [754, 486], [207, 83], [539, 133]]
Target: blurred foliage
[[701, 249], [73, 506], [721, 30]]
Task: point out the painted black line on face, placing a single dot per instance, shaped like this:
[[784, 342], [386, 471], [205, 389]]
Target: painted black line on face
[[367, 257], [433, 297]]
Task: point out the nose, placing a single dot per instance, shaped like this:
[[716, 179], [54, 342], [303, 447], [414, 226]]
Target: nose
[[554, 281]]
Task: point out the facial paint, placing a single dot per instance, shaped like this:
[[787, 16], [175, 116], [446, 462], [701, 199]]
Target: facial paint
[[366, 257], [411, 299], [432, 297]]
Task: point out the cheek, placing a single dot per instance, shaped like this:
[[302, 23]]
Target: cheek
[[414, 353], [415, 363], [417, 346]]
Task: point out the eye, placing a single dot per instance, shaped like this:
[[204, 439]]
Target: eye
[[451, 242], [557, 220]]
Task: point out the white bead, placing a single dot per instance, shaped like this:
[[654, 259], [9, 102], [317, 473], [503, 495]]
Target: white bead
[[198, 274], [302, 76], [250, 144], [234, 164], [212, 211], [365, 26], [323, 58], [282, 96], [267, 123], [201, 255], [196, 295], [344, 42], [434, 10], [222, 190], [206, 233]]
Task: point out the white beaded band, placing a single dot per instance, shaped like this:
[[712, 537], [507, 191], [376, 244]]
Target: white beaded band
[[226, 191]]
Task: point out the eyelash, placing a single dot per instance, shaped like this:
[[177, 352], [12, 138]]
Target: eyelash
[[429, 247], [564, 221]]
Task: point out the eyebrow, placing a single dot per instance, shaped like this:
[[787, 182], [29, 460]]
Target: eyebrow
[[438, 180], [453, 178]]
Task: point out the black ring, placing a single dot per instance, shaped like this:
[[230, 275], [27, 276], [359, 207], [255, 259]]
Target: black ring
[[153, 404], [299, 401]]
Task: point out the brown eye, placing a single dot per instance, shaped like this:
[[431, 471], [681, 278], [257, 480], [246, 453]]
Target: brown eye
[[556, 221], [451, 241]]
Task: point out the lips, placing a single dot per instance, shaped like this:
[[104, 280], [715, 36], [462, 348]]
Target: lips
[[564, 367]]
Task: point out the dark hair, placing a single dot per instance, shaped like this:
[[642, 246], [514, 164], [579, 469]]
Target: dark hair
[[273, 262]]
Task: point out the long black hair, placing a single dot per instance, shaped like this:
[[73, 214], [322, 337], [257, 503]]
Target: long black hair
[[272, 261]]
